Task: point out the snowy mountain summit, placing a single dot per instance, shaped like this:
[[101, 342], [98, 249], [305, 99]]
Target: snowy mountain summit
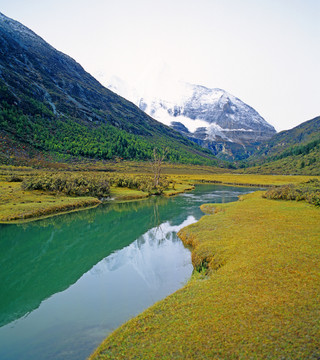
[[211, 117]]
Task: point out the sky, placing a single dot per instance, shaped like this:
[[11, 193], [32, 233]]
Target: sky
[[265, 52]]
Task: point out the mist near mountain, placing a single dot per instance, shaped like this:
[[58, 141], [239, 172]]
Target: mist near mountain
[[213, 118]]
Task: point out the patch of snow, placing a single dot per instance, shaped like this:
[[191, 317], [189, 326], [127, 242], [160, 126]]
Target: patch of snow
[[162, 115], [248, 130], [213, 96], [18, 27], [214, 130], [167, 99]]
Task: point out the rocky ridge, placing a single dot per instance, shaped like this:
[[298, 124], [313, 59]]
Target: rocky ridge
[[212, 118]]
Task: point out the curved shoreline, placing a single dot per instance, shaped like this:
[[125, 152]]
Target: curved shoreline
[[259, 280], [71, 209], [183, 183], [80, 203]]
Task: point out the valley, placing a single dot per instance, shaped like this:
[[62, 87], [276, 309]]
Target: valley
[[98, 180]]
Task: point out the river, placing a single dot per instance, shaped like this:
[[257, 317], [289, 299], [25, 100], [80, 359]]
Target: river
[[67, 281]]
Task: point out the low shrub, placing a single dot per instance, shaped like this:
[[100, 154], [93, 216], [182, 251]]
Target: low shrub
[[143, 183], [15, 178], [69, 184], [308, 191]]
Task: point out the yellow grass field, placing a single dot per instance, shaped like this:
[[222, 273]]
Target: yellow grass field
[[19, 205], [257, 295]]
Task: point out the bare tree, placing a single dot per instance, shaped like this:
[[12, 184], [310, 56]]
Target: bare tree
[[158, 157]]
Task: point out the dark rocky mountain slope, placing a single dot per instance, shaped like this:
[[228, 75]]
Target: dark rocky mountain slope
[[213, 118], [49, 102]]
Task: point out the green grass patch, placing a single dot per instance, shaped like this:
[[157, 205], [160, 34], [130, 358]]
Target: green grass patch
[[123, 194], [256, 295], [17, 204], [248, 179], [177, 188]]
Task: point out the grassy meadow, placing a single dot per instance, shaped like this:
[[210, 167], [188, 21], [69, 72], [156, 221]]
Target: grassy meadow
[[255, 289], [255, 294], [28, 193], [17, 204]]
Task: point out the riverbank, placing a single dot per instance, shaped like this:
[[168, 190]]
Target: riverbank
[[256, 294], [17, 204]]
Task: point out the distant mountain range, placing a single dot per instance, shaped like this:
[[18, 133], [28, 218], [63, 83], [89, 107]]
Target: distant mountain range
[[213, 118], [48, 102], [301, 135], [294, 151], [51, 107]]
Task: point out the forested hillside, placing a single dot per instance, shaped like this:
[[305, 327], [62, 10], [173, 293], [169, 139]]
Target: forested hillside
[[295, 151], [49, 103]]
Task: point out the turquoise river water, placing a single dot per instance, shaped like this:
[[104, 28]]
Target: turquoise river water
[[67, 281]]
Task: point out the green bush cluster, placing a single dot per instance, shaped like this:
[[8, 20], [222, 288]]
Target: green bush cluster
[[143, 183], [308, 191], [70, 184], [15, 178]]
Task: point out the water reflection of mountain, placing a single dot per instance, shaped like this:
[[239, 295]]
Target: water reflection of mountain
[[158, 245], [41, 258]]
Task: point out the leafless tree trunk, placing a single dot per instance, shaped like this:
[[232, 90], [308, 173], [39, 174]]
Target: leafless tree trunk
[[158, 157]]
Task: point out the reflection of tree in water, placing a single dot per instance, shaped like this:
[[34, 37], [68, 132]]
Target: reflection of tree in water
[[62, 220], [89, 215], [56, 251], [156, 220], [154, 204]]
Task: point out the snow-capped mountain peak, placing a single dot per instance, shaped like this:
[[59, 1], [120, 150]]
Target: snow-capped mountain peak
[[202, 114]]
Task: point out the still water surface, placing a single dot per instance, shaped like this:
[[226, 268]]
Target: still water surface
[[66, 282]]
